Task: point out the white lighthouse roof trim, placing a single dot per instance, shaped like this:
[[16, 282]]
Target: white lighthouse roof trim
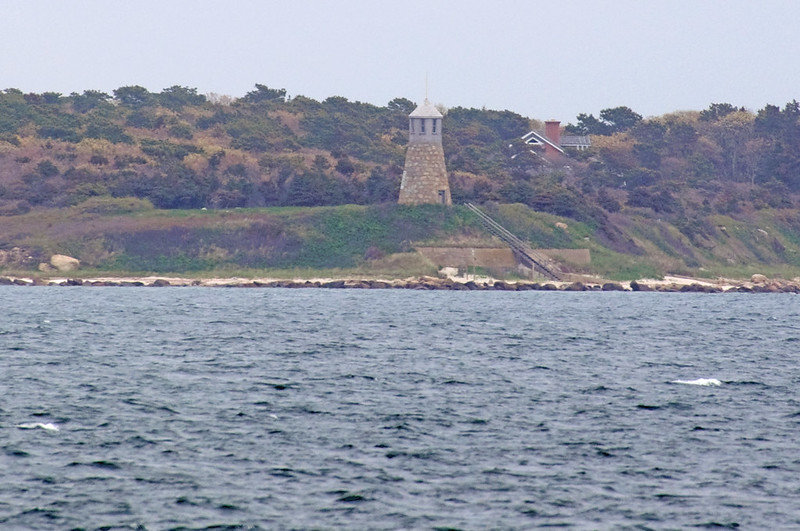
[[426, 110]]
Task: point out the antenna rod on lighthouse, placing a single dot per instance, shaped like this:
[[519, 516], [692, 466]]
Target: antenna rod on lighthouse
[[426, 86]]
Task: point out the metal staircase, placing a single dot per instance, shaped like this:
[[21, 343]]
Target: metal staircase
[[526, 255]]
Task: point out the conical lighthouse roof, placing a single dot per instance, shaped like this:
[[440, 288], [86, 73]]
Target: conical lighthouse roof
[[426, 110]]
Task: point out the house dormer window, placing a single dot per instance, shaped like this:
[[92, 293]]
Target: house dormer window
[[434, 126]]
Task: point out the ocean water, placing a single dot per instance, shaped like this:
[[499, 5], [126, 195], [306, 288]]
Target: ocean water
[[382, 409]]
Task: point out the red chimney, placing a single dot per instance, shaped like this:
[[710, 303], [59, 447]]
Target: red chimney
[[552, 130]]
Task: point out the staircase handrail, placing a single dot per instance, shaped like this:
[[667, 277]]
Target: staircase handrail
[[538, 260]]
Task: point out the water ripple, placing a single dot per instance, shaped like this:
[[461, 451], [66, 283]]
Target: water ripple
[[392, 409]]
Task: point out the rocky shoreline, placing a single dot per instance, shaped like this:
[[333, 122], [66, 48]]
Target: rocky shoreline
[[757, 284]]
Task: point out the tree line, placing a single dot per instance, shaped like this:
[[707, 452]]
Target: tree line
[[181, 149]]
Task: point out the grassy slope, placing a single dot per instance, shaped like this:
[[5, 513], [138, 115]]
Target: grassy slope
[[119, 237]]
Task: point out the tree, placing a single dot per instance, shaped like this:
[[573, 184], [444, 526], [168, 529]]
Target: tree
[[51, 97], [133, 96], [717, 111], [263, 93], [588, 125], [732, 132], [382, 186], [401, 105], [345, 166], [620, 119], [90, 99], [781, 128], [313, 189], [321, 163], [47, 169], [613, 120], [177, 97], [681, 138], [769, 120]]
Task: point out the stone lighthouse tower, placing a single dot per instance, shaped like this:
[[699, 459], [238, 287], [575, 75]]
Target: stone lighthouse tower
[[424, 175]]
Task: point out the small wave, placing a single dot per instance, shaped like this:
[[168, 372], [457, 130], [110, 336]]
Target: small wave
[[745, 382], [700, 381], [33, 425]]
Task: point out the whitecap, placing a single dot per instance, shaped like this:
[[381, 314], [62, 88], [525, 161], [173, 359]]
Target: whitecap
[[699, 381], [33, 425]]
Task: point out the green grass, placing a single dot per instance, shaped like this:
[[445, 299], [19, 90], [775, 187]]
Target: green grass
[[616, 266], [131, 238]]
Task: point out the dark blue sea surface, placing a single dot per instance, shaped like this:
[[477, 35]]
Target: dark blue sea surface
[[275, 408]]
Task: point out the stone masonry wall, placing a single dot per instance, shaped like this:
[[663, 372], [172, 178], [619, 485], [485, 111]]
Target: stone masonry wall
[[424, 175], [496, 257], [502, 258]]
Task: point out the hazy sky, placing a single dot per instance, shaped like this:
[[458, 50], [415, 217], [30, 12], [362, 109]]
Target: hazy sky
[[543, 59]]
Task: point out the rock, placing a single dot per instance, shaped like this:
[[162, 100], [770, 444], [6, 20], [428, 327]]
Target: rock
[[17, 257], [635, 286], [64, 263], [612, 286], [562, 226], [700, 288], [790, 287], [45, 267], [575, 286], [73, 282], [337, 284], [160, 283], [768, 288], [691, 288], [447, 272], [549, 287], [758, 279], [20, 282], [6, 281], [668, 288]]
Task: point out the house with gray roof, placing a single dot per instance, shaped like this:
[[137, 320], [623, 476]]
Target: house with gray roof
[[554, 142]]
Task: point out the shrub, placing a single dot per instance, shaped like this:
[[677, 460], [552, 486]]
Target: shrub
[[163, 149], [113, 205], [47, 169], [181, 130]]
